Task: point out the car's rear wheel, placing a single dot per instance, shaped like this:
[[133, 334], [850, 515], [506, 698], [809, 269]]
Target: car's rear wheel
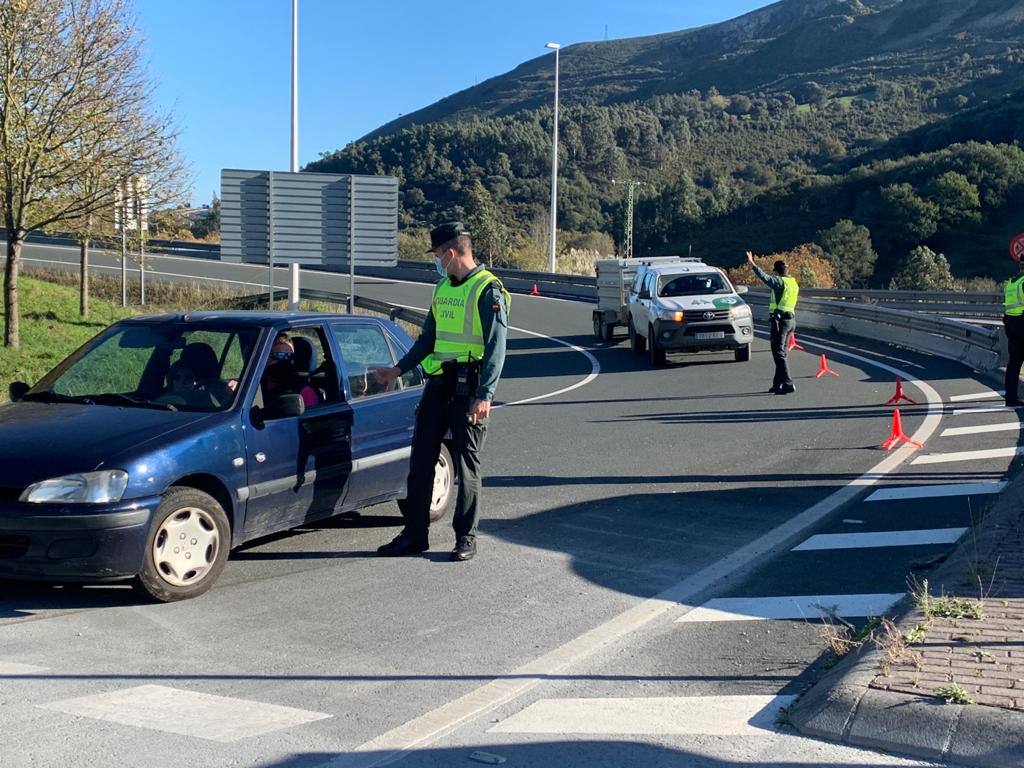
[[187, 547], [442, 498], [636, 341], [743, 354], [657, 353]]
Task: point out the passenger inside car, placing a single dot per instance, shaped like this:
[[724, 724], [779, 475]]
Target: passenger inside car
[[281, 376]]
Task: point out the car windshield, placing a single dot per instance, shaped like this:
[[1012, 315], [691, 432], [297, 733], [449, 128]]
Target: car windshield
[[171, 366], [693, 285]]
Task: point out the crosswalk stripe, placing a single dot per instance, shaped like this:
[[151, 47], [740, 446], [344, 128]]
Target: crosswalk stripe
[[790, 607], [986, 395], [937, 491], [661, 716], [186, 713], [880, 539], [982, 409], [947, 458], [1010, 426]]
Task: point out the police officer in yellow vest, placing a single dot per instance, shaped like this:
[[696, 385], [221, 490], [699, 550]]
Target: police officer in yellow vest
[[782, 318], [462, 351], [1013, 324]]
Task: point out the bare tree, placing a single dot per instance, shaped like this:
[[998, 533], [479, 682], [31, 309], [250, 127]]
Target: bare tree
[[76, 118]]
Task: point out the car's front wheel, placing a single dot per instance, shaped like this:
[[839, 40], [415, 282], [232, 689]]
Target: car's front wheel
[[656, 353], [187, 547], [636, 341], [442, 497]]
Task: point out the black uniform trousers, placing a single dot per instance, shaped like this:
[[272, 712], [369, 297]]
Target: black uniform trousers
[[1014, 327], [442, 411], [782, 325]]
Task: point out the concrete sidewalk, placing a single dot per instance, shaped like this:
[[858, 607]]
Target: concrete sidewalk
[[966, 642]]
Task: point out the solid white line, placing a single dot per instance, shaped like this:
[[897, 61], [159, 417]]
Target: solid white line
[[661, 716], [948, 458], [936, 491], [1012, 426], [880, 539], [196, 278], [983, 409], [987, 394], [397, 743], [790, 607]]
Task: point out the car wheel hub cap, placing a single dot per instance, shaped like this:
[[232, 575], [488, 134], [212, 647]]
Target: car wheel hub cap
[[442, 485], [185, 547]]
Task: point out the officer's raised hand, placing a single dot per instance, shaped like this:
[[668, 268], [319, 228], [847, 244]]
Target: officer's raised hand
[[750, 257], [385, 374]]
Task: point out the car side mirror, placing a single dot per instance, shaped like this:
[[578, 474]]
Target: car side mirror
[[17, 390], [289, 405], [741, 289]]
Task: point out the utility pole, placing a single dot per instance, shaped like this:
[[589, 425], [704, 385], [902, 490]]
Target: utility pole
[[631, 184], [552, 247]]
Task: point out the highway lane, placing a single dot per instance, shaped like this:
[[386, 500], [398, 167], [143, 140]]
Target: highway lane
[[598, 499]]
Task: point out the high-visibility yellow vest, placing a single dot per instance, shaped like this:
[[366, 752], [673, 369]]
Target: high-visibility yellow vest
[[1013, 296], [790, 291], [459, 332]]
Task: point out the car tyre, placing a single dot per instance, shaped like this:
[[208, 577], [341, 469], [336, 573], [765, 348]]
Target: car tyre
[[743, 354], [445, 490], [657, 353], [187, 546], [636, 341]]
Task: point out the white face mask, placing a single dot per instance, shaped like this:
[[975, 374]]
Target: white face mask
[[439, 266]]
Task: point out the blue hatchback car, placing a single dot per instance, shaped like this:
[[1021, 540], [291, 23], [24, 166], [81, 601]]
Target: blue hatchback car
[[168, 440]]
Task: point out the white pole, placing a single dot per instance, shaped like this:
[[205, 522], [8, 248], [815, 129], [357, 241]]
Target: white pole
[[554, 170], [293, 288], [295, 86]]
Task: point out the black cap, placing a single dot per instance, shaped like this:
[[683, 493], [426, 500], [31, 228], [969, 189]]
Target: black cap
[[445, 233], [780, 267]]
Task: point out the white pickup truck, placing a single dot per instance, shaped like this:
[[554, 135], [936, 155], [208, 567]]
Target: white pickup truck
[[672, 304]]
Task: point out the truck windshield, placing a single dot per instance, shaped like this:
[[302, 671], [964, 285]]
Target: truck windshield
[[692, 285], [171, 366]]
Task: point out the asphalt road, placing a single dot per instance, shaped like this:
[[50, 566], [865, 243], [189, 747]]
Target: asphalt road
[[617, 505]]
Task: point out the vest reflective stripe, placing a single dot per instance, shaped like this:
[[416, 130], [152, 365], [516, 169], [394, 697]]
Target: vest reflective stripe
[[1013, 297], [459, 334], [790, 292]]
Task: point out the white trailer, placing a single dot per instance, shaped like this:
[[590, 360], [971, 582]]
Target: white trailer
[[614, 280]]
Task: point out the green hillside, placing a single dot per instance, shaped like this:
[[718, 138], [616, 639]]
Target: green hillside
[[740, 128]]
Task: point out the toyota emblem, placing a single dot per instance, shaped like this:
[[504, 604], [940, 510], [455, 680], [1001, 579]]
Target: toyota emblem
[[709, 315]]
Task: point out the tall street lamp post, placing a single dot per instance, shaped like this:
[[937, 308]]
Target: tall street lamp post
[[554, 166]]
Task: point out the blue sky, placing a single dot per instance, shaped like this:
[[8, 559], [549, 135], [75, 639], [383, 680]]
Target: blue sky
[[222, 66]]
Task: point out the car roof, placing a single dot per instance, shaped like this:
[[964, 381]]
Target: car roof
[[683, 269], [250, 318]]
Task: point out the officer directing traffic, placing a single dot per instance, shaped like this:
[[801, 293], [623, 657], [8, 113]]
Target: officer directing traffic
[[462, 350], [1013, 324], [782, 314]]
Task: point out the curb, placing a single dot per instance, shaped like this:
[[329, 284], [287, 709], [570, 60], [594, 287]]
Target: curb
[[843, 707]]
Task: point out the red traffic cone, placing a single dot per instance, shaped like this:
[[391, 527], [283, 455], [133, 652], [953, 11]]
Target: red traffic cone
[[823, 369], [793, 343], [895, 399], [897, 435], [534, 291]]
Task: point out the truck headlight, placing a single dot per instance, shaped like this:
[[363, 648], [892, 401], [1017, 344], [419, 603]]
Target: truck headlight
[[741, 311], [674, 315], [85, 488]]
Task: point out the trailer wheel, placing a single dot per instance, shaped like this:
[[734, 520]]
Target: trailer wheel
[[607, 330]]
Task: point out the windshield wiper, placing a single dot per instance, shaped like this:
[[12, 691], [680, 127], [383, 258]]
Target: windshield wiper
[[115, 398], [50, 396]]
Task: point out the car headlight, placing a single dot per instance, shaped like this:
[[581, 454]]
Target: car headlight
[[85, 488], [673, 315], [741, 311]]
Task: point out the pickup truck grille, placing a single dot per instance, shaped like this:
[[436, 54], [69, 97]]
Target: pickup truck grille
[[697, 315]]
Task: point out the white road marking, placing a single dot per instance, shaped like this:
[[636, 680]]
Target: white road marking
[[987, 394], [790, 607], [984, 409], [392, 746], [936, 491], [949, 458], [200, 715], [851, 521], [13, 669], [1011, 426], [880, 539], [663, 716]]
